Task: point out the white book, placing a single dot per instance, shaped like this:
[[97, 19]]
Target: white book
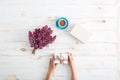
[[80, 33]]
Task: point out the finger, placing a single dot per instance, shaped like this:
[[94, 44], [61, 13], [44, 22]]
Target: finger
[[70, 58], [58, 57], [53, 60], [50, 61], [62, 62], [53, 57], [70, 54], [55, 64]]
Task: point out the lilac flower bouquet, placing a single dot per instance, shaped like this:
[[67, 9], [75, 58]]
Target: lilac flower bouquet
[[40, 38]]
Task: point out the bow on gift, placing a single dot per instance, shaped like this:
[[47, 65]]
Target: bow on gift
[[61, 58]]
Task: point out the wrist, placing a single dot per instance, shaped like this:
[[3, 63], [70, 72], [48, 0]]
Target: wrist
[[48, 75], [50, 72], [71, 66]]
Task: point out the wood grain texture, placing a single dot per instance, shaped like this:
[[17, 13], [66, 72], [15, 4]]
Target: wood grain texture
[[99, 59]]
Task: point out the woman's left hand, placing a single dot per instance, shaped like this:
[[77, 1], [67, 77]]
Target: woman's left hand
[[51, 68], [52, 65]]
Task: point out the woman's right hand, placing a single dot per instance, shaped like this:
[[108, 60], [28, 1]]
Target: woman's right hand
[[71, 64], [70, 60]]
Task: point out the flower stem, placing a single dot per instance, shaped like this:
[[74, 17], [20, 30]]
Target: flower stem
[[33, 51]]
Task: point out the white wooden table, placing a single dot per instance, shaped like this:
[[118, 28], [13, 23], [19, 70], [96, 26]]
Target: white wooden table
[[99, 59]]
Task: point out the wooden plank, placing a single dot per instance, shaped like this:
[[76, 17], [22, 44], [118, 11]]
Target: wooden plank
[[98, 74], [98, 36], [96, 60], [93, 49], [30, 67], [59, 2], [79, 12], [30, 23]]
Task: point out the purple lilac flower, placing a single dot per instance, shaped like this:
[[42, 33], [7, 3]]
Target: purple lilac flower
[[39, 38]]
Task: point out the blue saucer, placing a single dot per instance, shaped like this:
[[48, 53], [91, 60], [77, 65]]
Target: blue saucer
[[58, 23]]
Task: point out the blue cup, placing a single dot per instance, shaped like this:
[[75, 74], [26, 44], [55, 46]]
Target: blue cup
[[59, 26]]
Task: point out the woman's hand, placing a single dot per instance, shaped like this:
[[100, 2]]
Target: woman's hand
[[70, 60], [51, 68], [71, 64], [52, 65]]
